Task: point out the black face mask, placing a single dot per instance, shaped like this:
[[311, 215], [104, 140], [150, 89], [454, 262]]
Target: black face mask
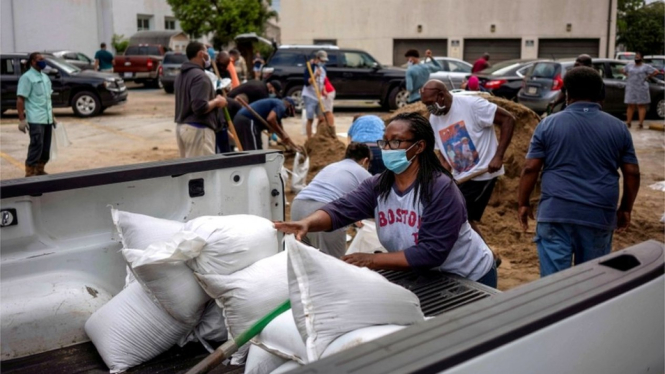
[[637, 61]]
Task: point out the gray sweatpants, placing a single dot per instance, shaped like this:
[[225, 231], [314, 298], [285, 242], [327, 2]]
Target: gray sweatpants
[[332, 243]]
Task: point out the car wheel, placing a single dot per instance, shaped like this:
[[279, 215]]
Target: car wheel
[[86, 104], [168, 89], [155, 83], [398, 98], [296, 94]]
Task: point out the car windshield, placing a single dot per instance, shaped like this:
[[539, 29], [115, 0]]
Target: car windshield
[[176, 58], [63, 66], [655, 62], [500, 68]]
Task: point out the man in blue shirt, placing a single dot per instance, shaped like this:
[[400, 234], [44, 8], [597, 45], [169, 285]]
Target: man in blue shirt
[[35, 113], [104, 60], [417, 74], [579, 151], [249, 127]]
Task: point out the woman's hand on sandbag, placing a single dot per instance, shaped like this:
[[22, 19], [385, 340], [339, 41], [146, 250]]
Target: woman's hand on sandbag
[[297, 228], [363, 260]]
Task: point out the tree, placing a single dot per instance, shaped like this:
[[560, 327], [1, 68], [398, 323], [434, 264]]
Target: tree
[[119, 43], [223, 18], [640, 26]]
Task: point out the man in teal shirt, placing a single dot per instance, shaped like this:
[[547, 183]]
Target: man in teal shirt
[[35, 113], [104, 60], [417, 74]]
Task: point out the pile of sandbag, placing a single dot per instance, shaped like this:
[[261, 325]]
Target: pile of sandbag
[[162, 303], [334, 306]]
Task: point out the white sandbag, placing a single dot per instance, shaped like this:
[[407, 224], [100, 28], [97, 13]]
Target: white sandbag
[[330, 298], [138, 231], [233, 242], [162, 271], [131, 329], [211, 327], [284, 173], [358, 337], [281, 337], [299, 173], [248, 294], [260, 361], [366, 240], [287, 367]]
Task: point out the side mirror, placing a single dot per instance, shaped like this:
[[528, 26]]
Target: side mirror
[[376, 66], [53, 72]]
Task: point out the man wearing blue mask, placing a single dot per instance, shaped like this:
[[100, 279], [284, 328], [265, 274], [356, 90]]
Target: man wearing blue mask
[[35, 113], [464, 127], [417, 74]]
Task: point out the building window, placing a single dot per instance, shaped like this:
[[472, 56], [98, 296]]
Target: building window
[[169, 23], [325, 41], [143, 23]]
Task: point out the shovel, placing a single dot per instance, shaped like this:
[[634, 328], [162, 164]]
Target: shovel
[[230, 347]]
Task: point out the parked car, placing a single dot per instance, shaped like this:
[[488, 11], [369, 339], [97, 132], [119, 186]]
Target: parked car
[[504, 79], [453, 71], [354, 73], [625, 56], [140, 63], [77, 59], [544, 81], [170, 68], [657, 62], [88, 92]]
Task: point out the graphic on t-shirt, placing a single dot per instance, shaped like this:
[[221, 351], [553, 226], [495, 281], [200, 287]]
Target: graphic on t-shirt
[[459, 148]]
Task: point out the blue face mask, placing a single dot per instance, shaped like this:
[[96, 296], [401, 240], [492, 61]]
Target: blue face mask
[[395, 159], [272, 95], [41, 64]]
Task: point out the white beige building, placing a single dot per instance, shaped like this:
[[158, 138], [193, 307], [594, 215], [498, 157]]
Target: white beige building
[[79, 25], [463, 29]]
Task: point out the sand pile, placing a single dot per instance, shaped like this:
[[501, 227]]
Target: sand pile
[[323, 149]]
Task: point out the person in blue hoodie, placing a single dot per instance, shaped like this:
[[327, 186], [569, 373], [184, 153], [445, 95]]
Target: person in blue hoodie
[[417, 74]]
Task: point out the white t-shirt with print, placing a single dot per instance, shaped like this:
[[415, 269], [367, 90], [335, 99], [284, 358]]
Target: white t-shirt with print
[[465, 136]]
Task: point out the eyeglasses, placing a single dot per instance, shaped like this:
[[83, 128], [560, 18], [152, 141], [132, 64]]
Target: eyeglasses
[[392, 144]]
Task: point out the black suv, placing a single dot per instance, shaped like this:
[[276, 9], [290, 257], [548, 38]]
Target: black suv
[[88, 92], [355, 74]]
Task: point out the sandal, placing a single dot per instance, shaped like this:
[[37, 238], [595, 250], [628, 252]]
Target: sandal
[[641, 125], [628, 124]]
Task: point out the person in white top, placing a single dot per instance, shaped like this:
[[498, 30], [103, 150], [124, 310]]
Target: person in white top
[[464, 129]]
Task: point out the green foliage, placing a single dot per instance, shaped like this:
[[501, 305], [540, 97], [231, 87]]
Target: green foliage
[[119, 43], [223, 18], [640, 26]]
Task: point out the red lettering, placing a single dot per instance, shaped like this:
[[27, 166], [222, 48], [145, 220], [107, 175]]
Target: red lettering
[[382, 219], [391, 216], [399, 215], [415, 237], [412, 219]]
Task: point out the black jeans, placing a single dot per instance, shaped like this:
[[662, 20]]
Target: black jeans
[[39, 149]]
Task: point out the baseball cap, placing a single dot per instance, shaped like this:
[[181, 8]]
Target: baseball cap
[[322, 55]]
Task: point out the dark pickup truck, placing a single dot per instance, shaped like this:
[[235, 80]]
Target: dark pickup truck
[[140, 63], [87, 92], [61, 261]]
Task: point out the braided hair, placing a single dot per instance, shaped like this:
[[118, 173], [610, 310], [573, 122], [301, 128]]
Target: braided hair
[[430, 166]]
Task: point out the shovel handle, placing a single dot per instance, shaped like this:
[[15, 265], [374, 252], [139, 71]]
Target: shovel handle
[[471, 176]]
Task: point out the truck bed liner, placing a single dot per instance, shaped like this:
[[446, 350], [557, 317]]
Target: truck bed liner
[[438, 293]]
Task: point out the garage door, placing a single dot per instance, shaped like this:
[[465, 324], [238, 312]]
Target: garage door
[[560, 48], [499, 49], [439, 47]]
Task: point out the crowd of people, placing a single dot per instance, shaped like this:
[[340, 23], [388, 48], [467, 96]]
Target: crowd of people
[[425, 181]]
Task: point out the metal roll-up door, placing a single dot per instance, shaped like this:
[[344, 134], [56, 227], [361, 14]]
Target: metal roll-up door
[[561, 48], [439, 48], [499, 49]]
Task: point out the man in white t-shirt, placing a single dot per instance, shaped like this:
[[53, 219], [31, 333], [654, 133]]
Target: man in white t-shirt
[[464, 127]]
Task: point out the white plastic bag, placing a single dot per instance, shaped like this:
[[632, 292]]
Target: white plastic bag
[[366, 240], [330, 298], [232, 242], [162, 271], [59, 140], [358, 337], [260, 361], [281, 337], [211, 327], [300, 170], [131, 329]]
